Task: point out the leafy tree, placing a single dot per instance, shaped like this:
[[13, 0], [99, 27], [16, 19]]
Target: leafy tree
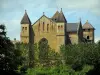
[[10, 58], [43, 51], [79, 55]]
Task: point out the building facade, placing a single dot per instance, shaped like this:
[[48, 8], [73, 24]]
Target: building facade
[[56, 30]]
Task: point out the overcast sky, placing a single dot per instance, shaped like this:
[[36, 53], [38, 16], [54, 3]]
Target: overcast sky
[[12, 11]]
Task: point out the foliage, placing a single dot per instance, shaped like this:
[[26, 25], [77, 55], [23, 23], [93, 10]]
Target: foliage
[[57, 70], [47, 56], [10, 57], [79, 55]]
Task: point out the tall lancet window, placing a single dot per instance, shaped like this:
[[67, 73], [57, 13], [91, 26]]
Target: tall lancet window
[[47, 27], [39, 27], [43, 26], [52, 26]]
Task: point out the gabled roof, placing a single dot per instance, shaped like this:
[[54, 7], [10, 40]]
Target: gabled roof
[[72, 27], [55, 16], [87, 25], [25, 19], [46, 17], [61, 17]]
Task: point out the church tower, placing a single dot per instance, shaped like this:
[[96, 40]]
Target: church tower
[[25, 34], [88, 32], [61, 23]]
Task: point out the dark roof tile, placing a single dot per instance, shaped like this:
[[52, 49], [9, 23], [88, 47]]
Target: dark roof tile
[[72, 27], [61, 17], [25, 19], [55, 16], [87, 25]]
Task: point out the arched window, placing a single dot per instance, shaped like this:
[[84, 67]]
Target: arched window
[[39, 27], [61, 27], [25, 28], [47, 27], [88, 37], [43, 26], [58, 27]]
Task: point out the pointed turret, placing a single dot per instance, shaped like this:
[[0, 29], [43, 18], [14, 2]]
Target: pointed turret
[[25, 19], [61, 17], [26, 29], [55, 16]]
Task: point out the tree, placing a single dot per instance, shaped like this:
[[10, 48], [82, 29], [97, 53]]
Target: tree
[[10, 58], [43, 50], [79, 55]]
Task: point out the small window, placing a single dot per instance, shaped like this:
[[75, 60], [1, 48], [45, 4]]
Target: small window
[[88, 29], [88, 37], [58, 27], [25, 28], [61, 27]]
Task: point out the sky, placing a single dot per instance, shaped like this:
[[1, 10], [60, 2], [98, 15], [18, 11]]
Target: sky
[[12, 11]]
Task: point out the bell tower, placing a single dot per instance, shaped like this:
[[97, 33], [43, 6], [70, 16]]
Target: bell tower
[[61, 30], [88, 32], [25, 29]]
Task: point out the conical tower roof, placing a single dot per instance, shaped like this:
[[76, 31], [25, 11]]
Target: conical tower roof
[[87, 25], [61, 17], [55, 16], [25, 19]]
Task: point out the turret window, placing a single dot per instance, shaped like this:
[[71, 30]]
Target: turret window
[[61, 27], [25, 28], [88, 29], [58, 27], [88, 37]]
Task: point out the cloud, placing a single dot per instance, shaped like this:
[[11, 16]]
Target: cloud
[[12, 28], [18, 5], [90, 5], [97, 39]]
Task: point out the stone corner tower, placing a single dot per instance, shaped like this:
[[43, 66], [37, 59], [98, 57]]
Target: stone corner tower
[[61, 23], [88, 32], [26, 29]]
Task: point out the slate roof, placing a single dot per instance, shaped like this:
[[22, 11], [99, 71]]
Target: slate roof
[[61, 17], [25, 19], [72, 27], [55, 16], [87, 25]]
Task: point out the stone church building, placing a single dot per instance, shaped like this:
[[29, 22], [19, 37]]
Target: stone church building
[[55, 30]]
